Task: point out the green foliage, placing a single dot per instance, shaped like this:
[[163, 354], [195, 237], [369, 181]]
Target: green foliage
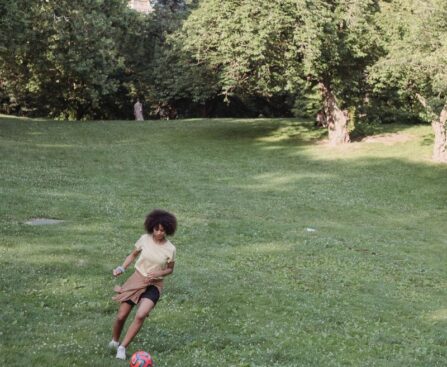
[[64, 60], [177, 76], [268, 48], [183, 75], [308, 102], [338, 40], [416, 57], [92, 58], [245, 41], [82, 59]]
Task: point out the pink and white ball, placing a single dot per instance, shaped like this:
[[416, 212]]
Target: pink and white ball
[[141, 359]]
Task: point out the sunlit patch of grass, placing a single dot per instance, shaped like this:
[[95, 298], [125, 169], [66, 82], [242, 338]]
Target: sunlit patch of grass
[[413, 148], [438, 315], [290, 252]]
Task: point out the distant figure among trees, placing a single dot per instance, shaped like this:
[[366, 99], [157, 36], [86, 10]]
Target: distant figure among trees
[[138, 110]]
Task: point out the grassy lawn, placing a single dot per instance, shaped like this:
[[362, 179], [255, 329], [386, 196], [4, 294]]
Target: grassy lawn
[[289, 252]]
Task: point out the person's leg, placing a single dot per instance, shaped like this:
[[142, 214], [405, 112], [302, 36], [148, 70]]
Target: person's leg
[[121, 317], [144, 308]]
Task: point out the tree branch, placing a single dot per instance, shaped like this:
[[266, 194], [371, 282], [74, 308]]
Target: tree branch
[[423, 101]]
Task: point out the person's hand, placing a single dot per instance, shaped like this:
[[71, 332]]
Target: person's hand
[[152, 275], [118, 271]]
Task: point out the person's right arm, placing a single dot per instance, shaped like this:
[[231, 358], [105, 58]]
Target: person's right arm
[[129, 260]]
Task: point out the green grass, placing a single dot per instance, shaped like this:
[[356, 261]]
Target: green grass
[[252, 286]]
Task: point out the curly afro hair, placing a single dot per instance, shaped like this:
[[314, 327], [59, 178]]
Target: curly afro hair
[[160, 217]]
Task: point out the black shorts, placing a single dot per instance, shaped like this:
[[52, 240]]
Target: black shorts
[[151, 293]]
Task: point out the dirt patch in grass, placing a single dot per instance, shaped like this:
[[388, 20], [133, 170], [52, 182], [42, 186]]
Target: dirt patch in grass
[[387, 139], [43, 221]]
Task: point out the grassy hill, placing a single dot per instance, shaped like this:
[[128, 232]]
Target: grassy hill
[[289, 252]]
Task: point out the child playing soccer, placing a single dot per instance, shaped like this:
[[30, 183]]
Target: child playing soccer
[[155, 256]]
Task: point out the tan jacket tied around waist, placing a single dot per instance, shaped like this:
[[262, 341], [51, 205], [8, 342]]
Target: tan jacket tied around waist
[[134, 287]]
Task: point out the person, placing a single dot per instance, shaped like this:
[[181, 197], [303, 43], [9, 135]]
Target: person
[[155, 256], [138, 110]]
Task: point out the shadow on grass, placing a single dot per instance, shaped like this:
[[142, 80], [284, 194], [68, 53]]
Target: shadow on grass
[[428, 140], [294, 130]]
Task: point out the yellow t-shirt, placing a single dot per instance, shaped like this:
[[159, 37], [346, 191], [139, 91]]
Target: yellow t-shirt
[[153, 256]]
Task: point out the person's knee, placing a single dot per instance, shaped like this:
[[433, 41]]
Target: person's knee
[[121, 316], [141, 315]]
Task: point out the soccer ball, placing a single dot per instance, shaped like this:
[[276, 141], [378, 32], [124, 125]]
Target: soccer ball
[[141, 359]]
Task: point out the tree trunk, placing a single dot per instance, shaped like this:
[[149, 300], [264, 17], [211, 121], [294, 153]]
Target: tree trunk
[[439, 128], [337, 119]]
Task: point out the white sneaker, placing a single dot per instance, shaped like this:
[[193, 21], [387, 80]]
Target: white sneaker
[[114, 345], [121, 352]]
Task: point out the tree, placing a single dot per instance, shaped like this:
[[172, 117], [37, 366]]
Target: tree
[[416, 61], [269, 47], [339, 40], [67, 59], [245, 43]]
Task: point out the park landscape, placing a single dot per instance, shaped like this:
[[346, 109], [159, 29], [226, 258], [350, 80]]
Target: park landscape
[[299, 244]]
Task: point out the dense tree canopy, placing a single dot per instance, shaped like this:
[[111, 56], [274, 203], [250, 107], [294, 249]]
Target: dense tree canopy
[[92, 58], [75, 59], [340, 41], [64, 59], [416, 61], [267, 48]]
